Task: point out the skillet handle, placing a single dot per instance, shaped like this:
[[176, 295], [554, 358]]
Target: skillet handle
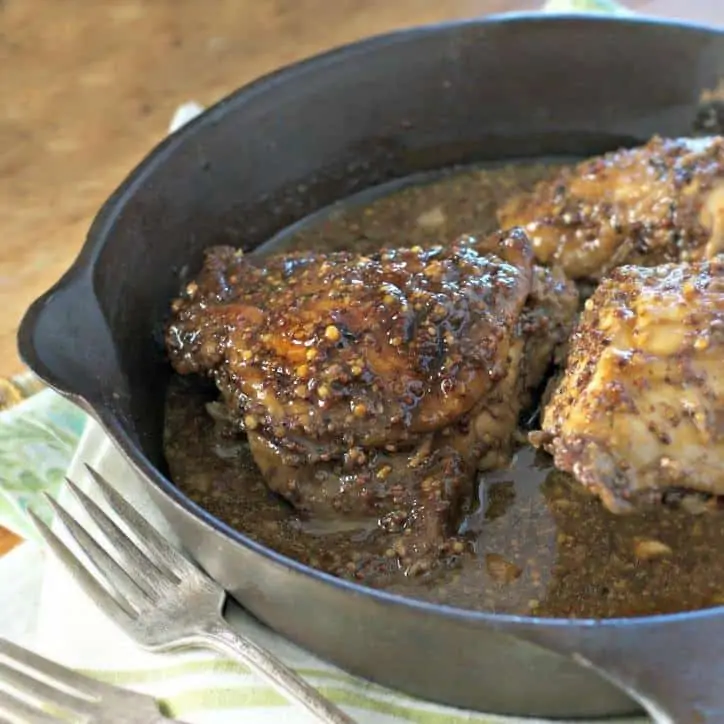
[[673, 667], [54, 341]]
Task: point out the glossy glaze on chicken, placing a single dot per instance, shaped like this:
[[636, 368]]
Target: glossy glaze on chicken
[[376, 385], [659, 203]]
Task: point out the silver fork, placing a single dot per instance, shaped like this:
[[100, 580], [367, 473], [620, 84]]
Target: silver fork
[[34, 690], [160, 598]]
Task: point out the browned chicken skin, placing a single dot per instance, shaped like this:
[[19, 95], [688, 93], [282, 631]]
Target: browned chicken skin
[[662, 202], [373, 386], [638, 413], [323, 353]]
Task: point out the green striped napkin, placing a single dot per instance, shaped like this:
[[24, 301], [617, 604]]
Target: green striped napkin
[[37, 441]]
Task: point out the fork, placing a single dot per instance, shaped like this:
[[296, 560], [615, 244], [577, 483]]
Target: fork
[[159, 597], [31, 688]]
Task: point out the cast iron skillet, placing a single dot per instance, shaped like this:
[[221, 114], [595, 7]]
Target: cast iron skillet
[[294, 142]]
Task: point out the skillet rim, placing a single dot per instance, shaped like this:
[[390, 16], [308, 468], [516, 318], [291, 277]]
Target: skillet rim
[[84, 264]]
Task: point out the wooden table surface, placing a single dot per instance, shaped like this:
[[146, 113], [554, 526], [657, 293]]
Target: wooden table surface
[[88, 88]]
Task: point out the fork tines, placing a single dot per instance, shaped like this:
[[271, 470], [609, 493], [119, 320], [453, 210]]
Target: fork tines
[[34, 690], [139, 550], [29, 683], [160, 598]]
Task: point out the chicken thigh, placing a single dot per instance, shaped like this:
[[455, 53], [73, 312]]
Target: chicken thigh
[[662, 202], [375, 385], [639, 413]]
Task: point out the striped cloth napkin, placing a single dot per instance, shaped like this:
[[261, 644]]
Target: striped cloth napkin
[[59, 621]]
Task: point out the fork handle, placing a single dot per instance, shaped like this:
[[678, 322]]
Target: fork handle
[[218, 635]]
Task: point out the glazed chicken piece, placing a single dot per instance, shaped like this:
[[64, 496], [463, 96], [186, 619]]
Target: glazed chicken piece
[[659, 203], [639, 413], [326, 353], [374, 386]]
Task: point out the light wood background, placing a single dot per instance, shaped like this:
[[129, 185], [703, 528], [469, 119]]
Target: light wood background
[[87, 88]]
